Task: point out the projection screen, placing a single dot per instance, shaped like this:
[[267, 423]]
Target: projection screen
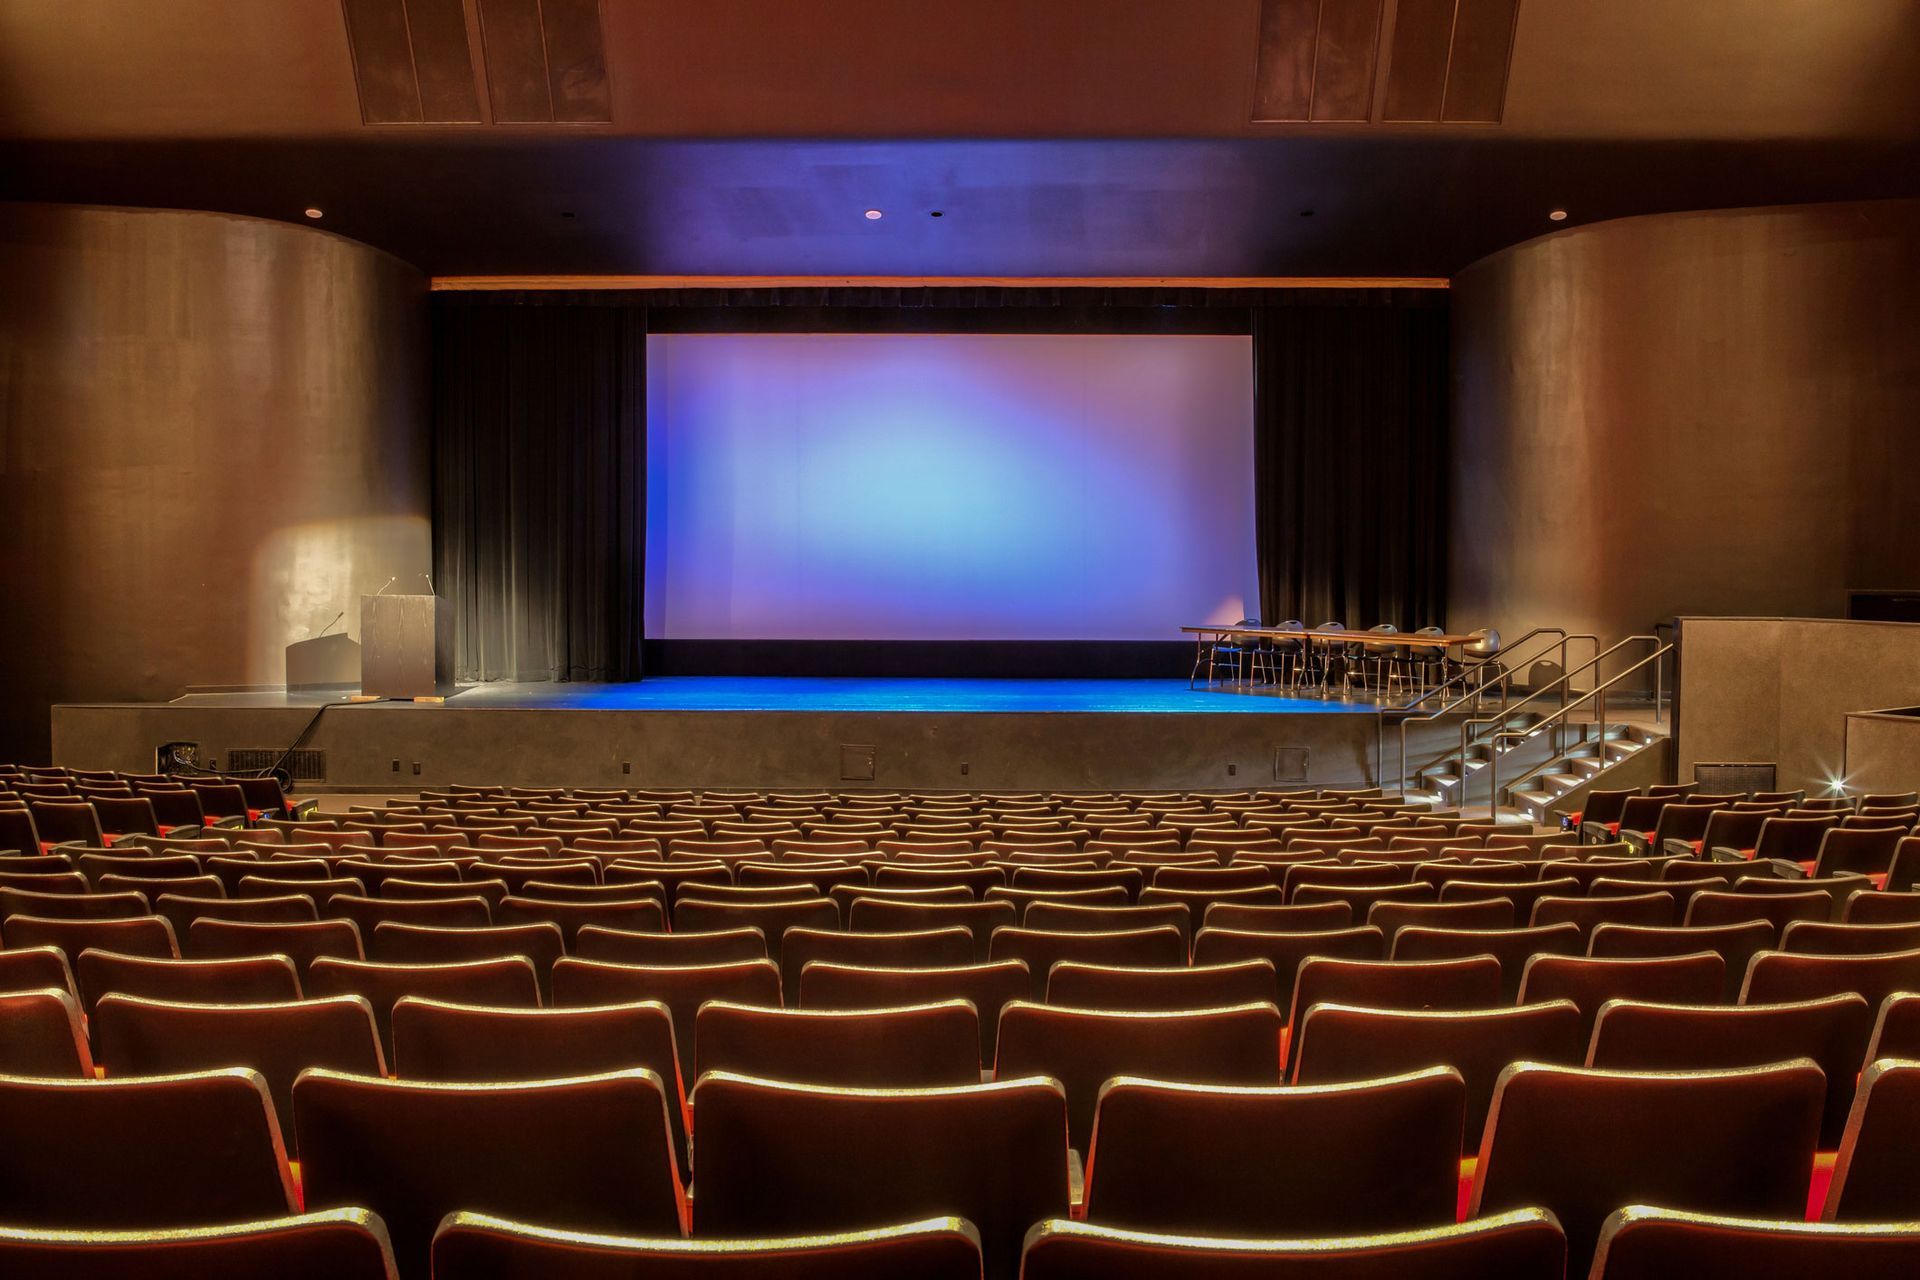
[[947, 487]]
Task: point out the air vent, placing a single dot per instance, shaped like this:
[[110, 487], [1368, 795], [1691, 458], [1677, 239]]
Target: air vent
[[306, 764], [1746, 776], [412, 62], [856, 764], [1290, 764], [545, 61]]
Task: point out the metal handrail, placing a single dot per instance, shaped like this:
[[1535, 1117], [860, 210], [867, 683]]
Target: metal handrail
[[1508, 652], [1468, 725], [1598, 693]]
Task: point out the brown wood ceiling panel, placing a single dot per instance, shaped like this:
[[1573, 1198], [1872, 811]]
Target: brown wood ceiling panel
[[382, 61], [515, 46], [1283, 83], [1417, 74], [443, 61], [576, 61], [1477, 71], [1344, 57]]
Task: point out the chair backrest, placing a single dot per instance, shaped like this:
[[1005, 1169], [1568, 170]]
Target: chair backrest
[[681, 988], [1279, 919], [1486, 913], [922, 948], [142, 1036], [1469, 983], [1871, 907], [1821, 938], [1655, 907], [1084, 1048], [1591, 981], [1640, 1035], [988, 987], [506, 982], [1857, 851], [149, 1151], [303, 941], [71, 906], [1715, 907], [1775, 977], [1375, 1155], [475, 1244], [623, 946], [778, 1158], [1736, 944], [885, 915], [591, 1151], [41, 1034], [1580, 1142], [1525, 1244], [1873, 1175], [35, 969], [540, 942], [906, 1047], [1145, 989], [1079, 917], [340, 1244], [245, 980], [1642, 1243], [1042, 949], [139, 935], [1338, 1044]]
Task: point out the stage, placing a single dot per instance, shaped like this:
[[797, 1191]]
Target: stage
[[773, 731]]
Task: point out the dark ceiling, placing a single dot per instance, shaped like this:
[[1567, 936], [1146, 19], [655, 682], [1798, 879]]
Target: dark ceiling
[[1054, 137]]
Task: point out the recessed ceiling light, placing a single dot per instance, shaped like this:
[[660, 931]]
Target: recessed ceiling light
[[874, 215], [313, 213], [1557, 215]]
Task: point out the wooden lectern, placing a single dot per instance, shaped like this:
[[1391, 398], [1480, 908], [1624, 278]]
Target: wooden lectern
[[406, 647]]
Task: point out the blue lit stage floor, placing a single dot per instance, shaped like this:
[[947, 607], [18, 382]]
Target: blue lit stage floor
[[852, 693], [765, 731]]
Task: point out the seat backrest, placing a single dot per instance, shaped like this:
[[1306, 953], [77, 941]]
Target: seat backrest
[[245, 980], [779, 1158], [1075, 917], [1642, 1243], [303, 941], [1856, 851], [1896, 1028], [591, 1151], [1525, 1244], [1469, 983], [149, 1151], [1654, 907], [624, 946], [1775, 977], [906, 1047], [340, 1244], [1280, 919], [1376, 1155], [1581, 1142], [1871, 907], [1821, 938], [1792, 839], [1486, 913], [506, 982], [1084, 1048], [1715, 907], [142, 1036], [540, 942], [1338, 1044], [35, 969], [71, 906], [1873, 1175], [475, 1244], [681, 988], [887, 915], [988, 987], [140, 935], [1591, 981], [1736, 944], [1148, 988], [41, 1034], [1043, 948], [1642, 1035], [921, 948]]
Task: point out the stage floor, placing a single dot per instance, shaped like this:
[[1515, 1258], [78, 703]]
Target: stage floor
[[847, 694]]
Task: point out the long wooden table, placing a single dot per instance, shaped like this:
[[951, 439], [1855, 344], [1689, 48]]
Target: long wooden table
[[1214, 632]]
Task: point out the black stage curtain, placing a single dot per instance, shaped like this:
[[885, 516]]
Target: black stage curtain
[[540, 438], [1351, 464], [540, 456]]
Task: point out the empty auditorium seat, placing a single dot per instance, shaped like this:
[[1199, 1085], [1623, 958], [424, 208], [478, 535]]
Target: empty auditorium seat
[[36, 969], [1874, 907], [1525, 1244], [475, 1246], [1641, 1243], [139, 935], [1736, 944], [590, 1153], [1776, 977], [1041, 949], [1581, 1143], [988, 987], [778, 1158], [1096, 986], [339, 1244], [507, 982], [1373, 1155], [1084, 1048], [1591, 981], [1873, 1176], [925, 948], [1081, 917], [41, 1034], [140, 1036], [541, 942], [596, 942], [892, 915], [681, 988], [1821, 938], [302, 941], [245, 980], [1636, 1035], [150, 1151], [905, 1047]]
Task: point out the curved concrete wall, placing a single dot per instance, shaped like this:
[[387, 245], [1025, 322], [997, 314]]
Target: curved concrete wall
[[1697, 413], [212, 440]]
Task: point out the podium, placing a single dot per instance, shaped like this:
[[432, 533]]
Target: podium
[[406, 647]]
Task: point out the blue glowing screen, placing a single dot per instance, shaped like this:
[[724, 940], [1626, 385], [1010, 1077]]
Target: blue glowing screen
[[947, 487]]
